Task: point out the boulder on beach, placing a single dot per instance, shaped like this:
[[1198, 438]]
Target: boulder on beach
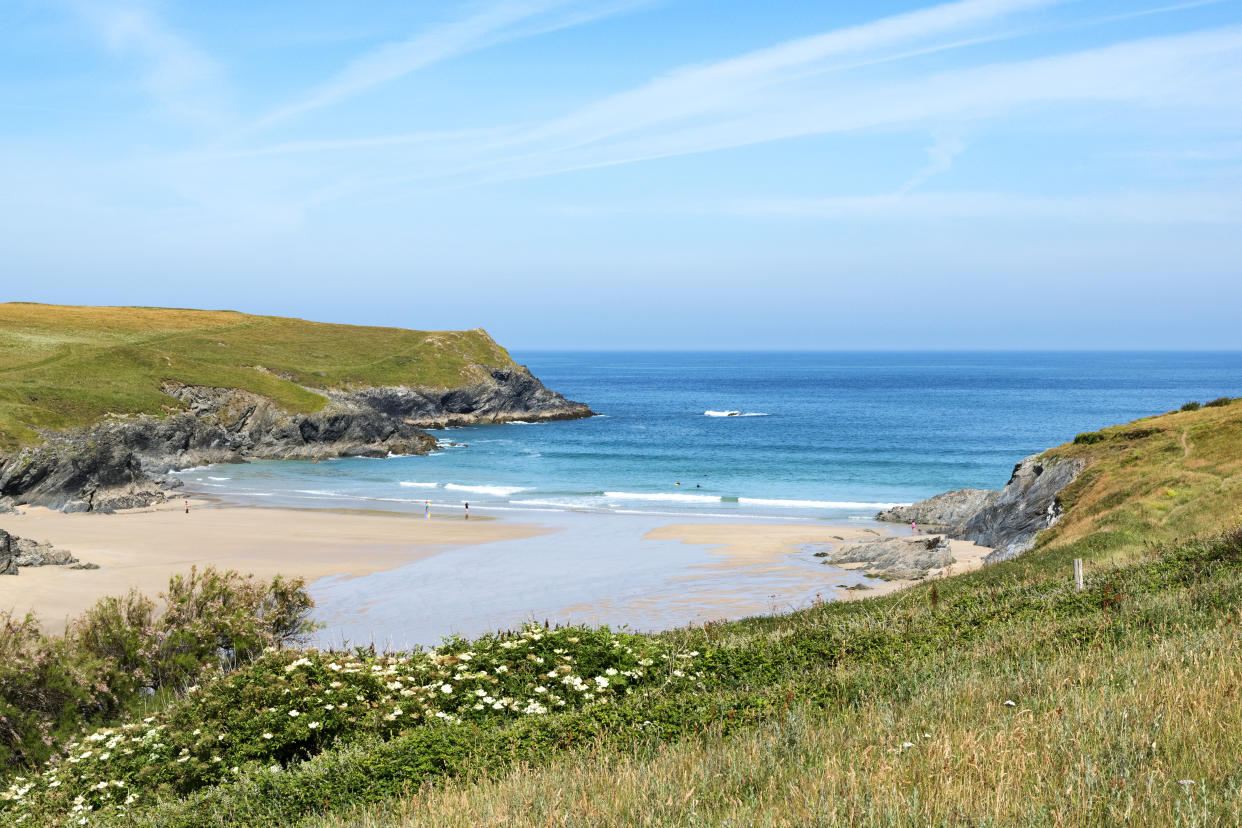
[[18, 552], [897, 558]]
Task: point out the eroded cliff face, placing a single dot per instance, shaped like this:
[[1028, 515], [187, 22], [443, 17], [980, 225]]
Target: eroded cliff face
[[1009, 520], [1028, 504], [120, 463]]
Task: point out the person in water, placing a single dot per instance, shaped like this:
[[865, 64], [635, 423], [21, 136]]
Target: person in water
[[467, 510]]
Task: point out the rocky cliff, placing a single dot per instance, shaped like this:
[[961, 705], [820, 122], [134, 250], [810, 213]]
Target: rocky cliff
[[119, 463], [948, 510], [1007, 521]]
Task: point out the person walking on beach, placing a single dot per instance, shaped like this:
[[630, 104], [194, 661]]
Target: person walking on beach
[[427, 509], [187, 507], [914, 529], [467, 510]]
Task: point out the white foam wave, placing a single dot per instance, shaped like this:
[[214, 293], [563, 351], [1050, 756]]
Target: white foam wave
[[320, 492], [816, 504], [499, 491], [679, 498], [209, 477], [710, 413], [416, 485]]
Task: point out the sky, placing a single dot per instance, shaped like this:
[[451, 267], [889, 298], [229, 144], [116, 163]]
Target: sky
[[638, 174]]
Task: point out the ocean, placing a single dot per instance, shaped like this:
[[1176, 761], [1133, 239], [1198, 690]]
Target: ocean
[[816, 435], [816, 438]]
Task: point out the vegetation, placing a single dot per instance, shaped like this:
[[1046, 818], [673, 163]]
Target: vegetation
[[1155, 480], [51, 687], [1002, 696], [62, 367]]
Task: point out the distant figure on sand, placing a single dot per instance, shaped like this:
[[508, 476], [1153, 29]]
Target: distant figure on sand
[[914, 529], [427, 510], [467, 510], [187, 507]]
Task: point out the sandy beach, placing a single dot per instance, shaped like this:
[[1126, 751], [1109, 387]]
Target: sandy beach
[[141, 549], [770, 547], [747, 569]]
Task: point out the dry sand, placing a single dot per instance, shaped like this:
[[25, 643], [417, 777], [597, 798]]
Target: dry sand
[[141, 549]]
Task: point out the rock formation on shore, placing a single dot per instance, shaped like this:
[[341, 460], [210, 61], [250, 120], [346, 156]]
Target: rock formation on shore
[[120, 462], [948, 510], [1007, 521], [897, 558], [18, 552]]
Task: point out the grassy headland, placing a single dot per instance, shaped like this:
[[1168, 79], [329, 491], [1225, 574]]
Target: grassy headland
[[68, 366], [998, 697]]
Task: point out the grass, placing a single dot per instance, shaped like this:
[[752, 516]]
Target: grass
[[997, 697], [1154, 480], [65, 366]]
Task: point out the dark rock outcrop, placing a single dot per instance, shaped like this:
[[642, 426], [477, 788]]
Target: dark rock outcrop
[[118, 464], [949, 510], [1008, 520], [1027, 505], [16, 552], [508, 395], [897, 558]]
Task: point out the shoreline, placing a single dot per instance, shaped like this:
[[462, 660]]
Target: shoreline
[[140, 549], [747, 546], [742, 569]]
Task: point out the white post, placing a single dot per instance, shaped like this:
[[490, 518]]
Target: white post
[[1078, 574]]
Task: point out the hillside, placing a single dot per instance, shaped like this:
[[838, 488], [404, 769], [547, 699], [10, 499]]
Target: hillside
[[97, 403], [63, 366], [1001, 696]]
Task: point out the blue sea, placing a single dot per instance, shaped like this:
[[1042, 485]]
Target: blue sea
[[822, 439], [816, 435]]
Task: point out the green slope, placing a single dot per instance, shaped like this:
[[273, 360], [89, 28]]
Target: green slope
[[998, 697], [67, 366]]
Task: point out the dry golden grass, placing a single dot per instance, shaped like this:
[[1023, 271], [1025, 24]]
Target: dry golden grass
[[1114, 735]]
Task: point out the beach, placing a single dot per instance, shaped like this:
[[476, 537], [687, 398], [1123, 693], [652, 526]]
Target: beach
[[373, 574], [142, 549]]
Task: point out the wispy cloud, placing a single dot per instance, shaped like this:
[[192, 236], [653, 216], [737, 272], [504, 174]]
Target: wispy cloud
[[734, 83], [945, 147], [488, 26], [183, 78], [1199, 69]]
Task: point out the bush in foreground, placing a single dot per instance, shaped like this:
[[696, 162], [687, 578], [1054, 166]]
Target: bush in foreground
[[290, 706], [51, 687]]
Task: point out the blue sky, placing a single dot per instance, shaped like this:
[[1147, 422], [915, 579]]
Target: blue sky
[[637, 173]]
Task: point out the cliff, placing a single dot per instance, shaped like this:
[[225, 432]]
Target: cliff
[[95, 410], [1161, 478], [1008, 520]]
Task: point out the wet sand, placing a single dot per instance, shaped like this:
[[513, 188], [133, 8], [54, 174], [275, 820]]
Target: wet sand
[[742, 569], [142, 549], [768, 549]]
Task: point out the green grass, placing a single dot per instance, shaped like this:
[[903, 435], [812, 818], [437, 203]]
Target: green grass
[[998, 697], [63, 366], [1155, 480]]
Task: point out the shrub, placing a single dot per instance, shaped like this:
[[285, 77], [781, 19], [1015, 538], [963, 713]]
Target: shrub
[[285, 707], [53, 686], [46, 691], [1087, 438], [1218, 402], [1190, 406]]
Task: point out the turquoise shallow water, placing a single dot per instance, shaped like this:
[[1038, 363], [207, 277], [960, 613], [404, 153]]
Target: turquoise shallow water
[[819, 435], [828, 437]]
